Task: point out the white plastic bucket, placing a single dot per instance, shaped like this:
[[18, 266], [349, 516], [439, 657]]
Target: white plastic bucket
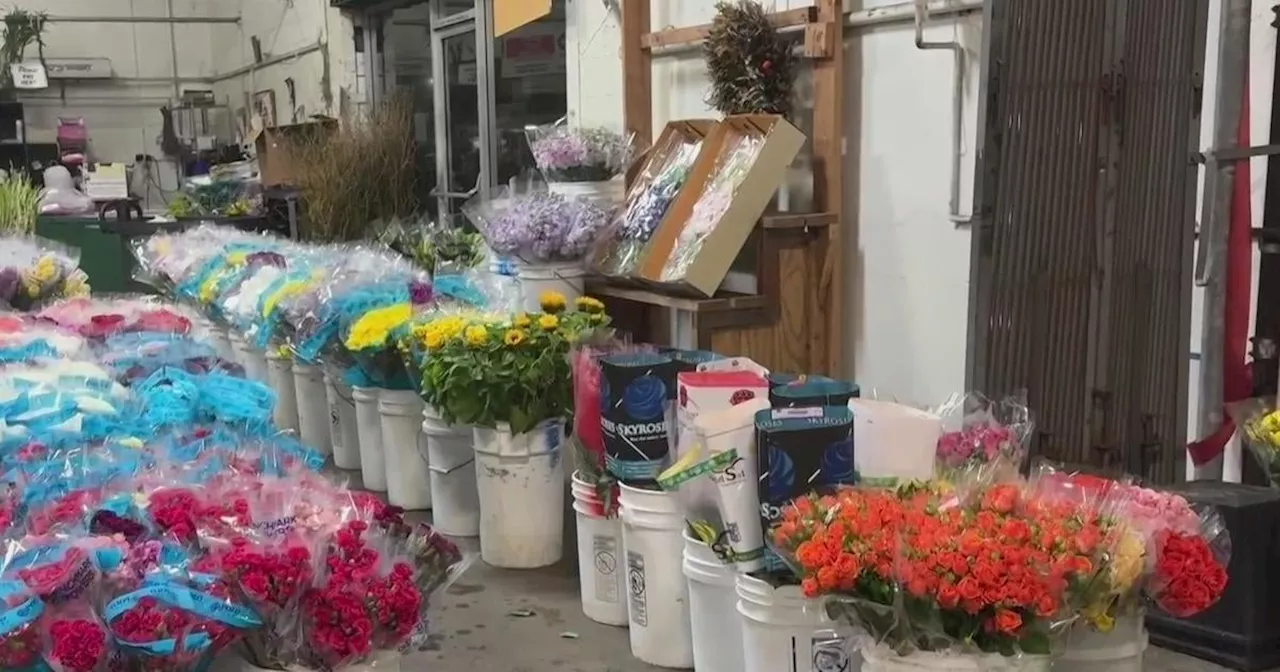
[[658, 603], [567, 278], [342, 424], [220, 339], [608, 194], [313, 407], [601, 581], [404, 450], [280, 379], [455, 499], [520, 480], [1120, 650], [252, 359], [373, 468], [882, 659], [717, 637], [782, 631]]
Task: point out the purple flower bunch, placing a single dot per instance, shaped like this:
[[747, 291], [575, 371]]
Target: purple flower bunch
[[540, 226], [565, 154]]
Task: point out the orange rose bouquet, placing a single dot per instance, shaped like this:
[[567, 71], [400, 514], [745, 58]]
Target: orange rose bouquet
[[988, 571]]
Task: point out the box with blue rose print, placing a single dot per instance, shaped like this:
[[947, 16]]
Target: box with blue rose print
[[801, 450], [635, 414]]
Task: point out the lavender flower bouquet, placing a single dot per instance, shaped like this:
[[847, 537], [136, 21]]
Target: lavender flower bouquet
[[536, 225], [565, 154]]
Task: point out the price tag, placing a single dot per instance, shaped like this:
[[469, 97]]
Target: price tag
[[29, 75]]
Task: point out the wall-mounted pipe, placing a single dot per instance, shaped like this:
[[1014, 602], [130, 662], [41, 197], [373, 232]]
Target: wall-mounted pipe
[[144, 19], [267, 62], [905, 12], [921, 15]]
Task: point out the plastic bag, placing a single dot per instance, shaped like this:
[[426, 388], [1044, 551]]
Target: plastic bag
[[921, 569], [20, 637], [34, 271], [364, 599], [736, 159], [620, 248], [569, 154], [75, 639], [716, 481], [1259, 421], [530, 223], [177, 620], [980, 431]]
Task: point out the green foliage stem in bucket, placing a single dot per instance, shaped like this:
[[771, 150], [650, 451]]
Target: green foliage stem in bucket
[[484, 370], [19, 203]]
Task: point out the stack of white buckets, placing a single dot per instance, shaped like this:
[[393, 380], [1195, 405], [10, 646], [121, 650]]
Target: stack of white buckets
[[685, 607], [399, 446], [642, 569]]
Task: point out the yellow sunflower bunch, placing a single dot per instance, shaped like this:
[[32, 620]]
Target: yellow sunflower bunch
[[489, 369]]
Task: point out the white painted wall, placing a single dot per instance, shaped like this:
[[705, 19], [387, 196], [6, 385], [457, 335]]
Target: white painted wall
[[908, 269], [122, 114], [310, 33]]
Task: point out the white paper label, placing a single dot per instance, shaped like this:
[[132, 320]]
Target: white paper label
[[635, 585], [803, 412], [604, 550], [830, 654], [29, 76]]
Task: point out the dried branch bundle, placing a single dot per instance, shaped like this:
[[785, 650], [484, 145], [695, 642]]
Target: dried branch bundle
[[363, 172]]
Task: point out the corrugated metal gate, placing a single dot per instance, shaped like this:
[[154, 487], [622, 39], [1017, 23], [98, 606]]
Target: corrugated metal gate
[[1081, 274]]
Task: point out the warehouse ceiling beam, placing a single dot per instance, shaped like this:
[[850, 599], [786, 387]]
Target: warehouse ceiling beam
[[144, 19]]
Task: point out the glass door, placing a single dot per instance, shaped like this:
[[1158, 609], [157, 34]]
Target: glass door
[[463, 103]]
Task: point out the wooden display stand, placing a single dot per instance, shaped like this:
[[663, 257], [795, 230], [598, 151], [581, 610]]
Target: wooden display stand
[[796, 321]]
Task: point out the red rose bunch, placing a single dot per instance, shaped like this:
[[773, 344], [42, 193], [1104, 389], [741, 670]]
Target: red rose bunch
[[177, 512], [158, 612], [20, 648], [76, 641], [57, 575], [1188, 577], [70, 509], [271, 576], [991, 568], [20, 642], [364, 601], [161, 321]]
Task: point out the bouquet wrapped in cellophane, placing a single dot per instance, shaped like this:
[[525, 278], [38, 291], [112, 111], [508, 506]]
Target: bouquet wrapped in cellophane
[[984, 569]]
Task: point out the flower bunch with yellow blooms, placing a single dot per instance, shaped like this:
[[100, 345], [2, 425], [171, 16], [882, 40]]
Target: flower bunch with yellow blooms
[[49, 276], [483, 369], [1261, 422]]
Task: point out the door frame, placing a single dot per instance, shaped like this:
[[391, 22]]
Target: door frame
[[479, 22]]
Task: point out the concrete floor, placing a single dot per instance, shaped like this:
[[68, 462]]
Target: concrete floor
[[478, 632], [484, 626]]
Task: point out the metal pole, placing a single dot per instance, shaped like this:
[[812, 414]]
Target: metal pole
[[1233, 59]]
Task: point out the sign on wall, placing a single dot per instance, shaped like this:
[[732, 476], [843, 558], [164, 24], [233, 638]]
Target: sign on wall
[[30, 75], [537, 49], [79, 68]]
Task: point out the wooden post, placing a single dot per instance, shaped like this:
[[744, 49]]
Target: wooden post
[[637, 71], [809, 282], [828, 187]]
